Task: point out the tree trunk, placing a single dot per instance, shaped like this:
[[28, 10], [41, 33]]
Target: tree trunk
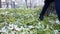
[[26, 3], [6, 3], [0, 3], [30, 4]]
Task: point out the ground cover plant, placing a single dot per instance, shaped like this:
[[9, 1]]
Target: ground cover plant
[[25, 21]]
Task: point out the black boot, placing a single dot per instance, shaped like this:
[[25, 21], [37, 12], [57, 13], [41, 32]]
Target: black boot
[[59, 18], [41, 17]]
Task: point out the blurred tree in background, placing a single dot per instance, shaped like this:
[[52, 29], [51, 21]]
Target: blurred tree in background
[[0, 3]]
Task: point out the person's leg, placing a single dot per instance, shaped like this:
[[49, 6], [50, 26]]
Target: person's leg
[[47, 3], [57, 5]]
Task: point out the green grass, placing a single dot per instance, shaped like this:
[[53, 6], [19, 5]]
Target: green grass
[[23, 21]]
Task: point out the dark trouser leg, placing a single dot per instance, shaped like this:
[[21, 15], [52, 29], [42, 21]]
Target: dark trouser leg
[[44, 10], [57, 5]]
